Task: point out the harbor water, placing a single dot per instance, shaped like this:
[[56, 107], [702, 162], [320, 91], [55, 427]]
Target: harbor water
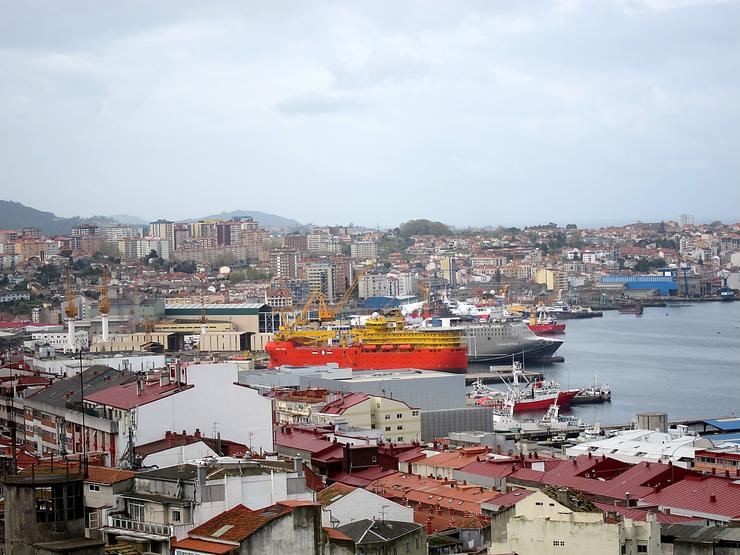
[[682, 359]]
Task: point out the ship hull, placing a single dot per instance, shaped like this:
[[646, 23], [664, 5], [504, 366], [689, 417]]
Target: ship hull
[[499, 342], [286, 353], [547, 329], [564, 399]]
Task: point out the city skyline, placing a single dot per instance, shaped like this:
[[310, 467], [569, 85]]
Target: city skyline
[[468, 114]]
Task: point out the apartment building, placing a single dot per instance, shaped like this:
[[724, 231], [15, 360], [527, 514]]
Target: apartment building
[[394, 419]]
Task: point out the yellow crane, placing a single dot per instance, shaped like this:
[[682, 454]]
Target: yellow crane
[[104, 301], [71, 309], [325, 312]]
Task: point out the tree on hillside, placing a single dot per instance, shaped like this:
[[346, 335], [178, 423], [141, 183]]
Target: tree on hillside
[[423, 227]]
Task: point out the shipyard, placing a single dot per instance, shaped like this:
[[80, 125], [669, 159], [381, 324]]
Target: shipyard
[[381, 278]]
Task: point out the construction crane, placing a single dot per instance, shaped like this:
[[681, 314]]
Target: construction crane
[[71, 312], [326, 313], [202, 279], [340, 304], [71, 309]]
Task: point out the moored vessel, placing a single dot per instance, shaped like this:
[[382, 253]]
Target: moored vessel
[[382, 343]]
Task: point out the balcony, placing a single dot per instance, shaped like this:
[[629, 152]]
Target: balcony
[[124, 524]]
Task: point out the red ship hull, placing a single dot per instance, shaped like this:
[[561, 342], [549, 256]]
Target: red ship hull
[[547, 329], [369, 357], [563, 400]]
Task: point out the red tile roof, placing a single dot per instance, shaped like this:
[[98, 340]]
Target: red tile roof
[[204, 546], [609, 478], [455, 459], [490, 469], [432, 493], [362, 478], [125, 396], [708, 495], [333, 493], [108, 476], [510, 499], [243, 522], [174, 439], [335, 534], [312, 442], [339, 406]]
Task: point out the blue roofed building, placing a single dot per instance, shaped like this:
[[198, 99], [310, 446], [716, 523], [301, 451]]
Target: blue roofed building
[[665, 284]]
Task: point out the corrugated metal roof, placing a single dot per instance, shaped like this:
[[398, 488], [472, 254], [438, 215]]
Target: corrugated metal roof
[[724, 424], [708, 495]]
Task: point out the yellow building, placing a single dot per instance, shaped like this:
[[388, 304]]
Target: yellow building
[[394, 419], [548, 278], [540, 525]]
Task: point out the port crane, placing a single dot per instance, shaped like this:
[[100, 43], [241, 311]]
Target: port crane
[[326, 313]]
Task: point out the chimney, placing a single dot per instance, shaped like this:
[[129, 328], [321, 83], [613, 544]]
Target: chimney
[[298, 465], [139, 387], [712, 498], [197, 433], [562, 495], [202, 473]]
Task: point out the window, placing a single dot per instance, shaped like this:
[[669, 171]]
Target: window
[[136, 511], [374, 459], [387, 416], [414, 413], [59, 503], [417, 542], [558, 543], [176, 515], [399, 427], [642, 548], [538, 503], [387, 428], [399, 415], [93, 487], [408, 547], [623, 549]]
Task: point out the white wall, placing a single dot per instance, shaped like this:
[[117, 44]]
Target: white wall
[[361, 504], [179, 454], [237, 411]]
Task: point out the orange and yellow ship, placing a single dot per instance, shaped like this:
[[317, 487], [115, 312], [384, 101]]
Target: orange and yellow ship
[[382, 343]]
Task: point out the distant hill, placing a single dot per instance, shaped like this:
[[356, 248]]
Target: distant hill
[[14, 215], [129, 219], [265, 220]]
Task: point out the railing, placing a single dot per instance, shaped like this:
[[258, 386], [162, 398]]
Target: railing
[[137, 526]]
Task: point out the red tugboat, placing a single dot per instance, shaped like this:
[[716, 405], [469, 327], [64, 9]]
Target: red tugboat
[[541, 324]]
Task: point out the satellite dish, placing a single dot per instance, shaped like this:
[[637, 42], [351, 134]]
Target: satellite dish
[[224, 270]]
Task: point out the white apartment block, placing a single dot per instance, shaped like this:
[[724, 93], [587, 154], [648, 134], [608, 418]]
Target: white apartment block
[[364, 250]]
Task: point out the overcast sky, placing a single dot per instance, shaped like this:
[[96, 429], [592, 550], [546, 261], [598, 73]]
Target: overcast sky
[[373, 112]]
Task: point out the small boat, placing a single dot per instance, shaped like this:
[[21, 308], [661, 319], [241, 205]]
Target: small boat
[[594, 393], [543, 324], [504, 421], [591, 433], [635, 308], [538, 395], [553, 420]]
